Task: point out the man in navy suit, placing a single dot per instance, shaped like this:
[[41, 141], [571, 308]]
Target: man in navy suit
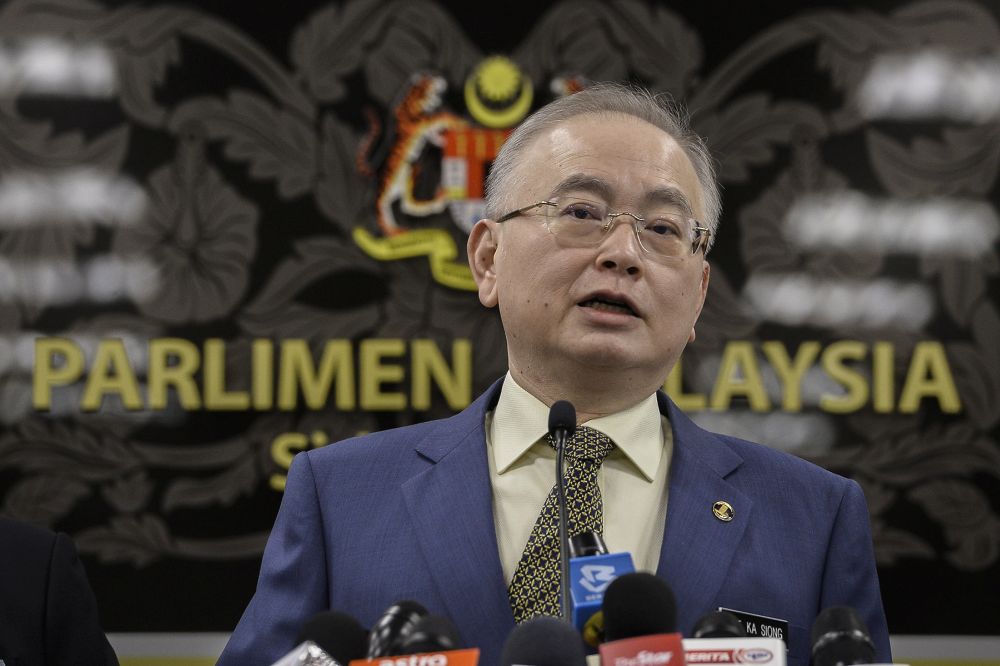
[[48, 615], [601, 209]]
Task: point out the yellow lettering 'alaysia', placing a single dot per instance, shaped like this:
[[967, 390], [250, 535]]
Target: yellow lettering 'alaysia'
[[791, 371], [854, 382], [674, 387], [929, 376], [739, 375], [883, 382]]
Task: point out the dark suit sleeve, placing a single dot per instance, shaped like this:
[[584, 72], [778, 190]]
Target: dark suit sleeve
[[73, 633], [850, 577]]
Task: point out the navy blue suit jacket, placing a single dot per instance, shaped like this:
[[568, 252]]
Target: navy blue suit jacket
[[407, 514], [48, 614]]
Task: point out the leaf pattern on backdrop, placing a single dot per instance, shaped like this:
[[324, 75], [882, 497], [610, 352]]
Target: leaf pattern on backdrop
[[200, 238], [43, 499], [963, 163], [977, 367], [970, 526], [281, 132], [613, 42]]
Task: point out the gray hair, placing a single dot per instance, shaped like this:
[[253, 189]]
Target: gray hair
[[604, 98]]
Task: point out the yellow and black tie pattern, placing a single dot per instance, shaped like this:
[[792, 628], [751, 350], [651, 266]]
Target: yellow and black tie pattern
[[535, 587]]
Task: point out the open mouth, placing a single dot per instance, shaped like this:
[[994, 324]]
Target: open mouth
[[608, 305]]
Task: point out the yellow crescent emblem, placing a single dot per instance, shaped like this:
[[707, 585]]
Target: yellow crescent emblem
[[500, 80]]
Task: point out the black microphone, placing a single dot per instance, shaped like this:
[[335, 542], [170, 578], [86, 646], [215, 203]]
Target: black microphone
[[431, 633], [640, 622], [562, 424], [329, 638], [638, 604], [397, 621], [839, 638], [562, 420], [719, 624], [543, 641]]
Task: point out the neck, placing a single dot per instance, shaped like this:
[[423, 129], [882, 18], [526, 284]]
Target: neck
[[596, 393]]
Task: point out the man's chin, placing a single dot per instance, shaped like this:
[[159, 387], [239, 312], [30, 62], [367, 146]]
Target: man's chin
[[609, 356]]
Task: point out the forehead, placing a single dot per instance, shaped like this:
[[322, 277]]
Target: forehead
[[633, 158]]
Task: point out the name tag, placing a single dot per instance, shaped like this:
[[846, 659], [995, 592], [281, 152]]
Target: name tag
[[761, 626]]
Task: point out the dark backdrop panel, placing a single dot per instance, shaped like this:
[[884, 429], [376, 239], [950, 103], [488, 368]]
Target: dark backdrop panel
[[273, 188]]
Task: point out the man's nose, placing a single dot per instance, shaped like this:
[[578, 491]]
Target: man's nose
[[620, 249]]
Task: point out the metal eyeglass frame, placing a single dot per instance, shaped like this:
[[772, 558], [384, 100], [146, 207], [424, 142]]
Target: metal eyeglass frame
[[700, 243]]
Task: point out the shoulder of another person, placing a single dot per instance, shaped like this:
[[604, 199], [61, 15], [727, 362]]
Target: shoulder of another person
[[32, 542]]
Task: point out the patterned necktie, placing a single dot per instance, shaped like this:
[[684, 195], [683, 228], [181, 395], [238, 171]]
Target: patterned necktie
[[535, 587]]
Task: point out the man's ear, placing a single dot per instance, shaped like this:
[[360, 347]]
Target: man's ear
[[482, 249], [706, 272]]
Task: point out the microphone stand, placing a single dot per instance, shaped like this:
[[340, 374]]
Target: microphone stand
[[564, 603], [562, 424]]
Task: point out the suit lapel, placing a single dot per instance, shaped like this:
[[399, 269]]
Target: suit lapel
[[698, 548], [451, 508]]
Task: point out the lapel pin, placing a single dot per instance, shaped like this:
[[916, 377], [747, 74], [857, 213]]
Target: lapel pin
[[723, 511]]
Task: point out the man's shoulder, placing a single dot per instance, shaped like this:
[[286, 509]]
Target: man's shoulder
[[382, 442], [762, 458], [431, 440], [755, 462]]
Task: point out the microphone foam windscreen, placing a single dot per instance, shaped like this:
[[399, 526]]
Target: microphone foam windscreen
[[431, 633], [840, 637], [544, 641], [395, 622], [338, 634], [638, 604], [562, 416], [718, 624]]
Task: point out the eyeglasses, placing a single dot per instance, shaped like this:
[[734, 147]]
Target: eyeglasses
[[582, 223]]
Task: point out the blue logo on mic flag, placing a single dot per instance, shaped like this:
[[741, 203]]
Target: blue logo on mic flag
[[596, 577], [589, 577]]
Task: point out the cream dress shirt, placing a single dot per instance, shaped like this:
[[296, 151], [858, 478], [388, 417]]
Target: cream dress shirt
[[633, 478]]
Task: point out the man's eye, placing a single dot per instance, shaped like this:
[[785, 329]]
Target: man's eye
[[663, 228], [580, 212]]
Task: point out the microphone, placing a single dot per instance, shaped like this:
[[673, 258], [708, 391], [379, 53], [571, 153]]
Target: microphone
[[638, 604], [543, 641], [307, 654], [640, 622], [329, 638], [431, 641], [839, 638], [719, 624], [562, 424], [395, 623], [591, 570], [720, 638], [431, 633]]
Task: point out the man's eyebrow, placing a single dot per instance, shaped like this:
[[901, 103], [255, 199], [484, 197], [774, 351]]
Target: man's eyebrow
[[580, 182], [669, 196]]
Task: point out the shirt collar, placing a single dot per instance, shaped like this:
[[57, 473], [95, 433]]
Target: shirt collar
[[520, 420]]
